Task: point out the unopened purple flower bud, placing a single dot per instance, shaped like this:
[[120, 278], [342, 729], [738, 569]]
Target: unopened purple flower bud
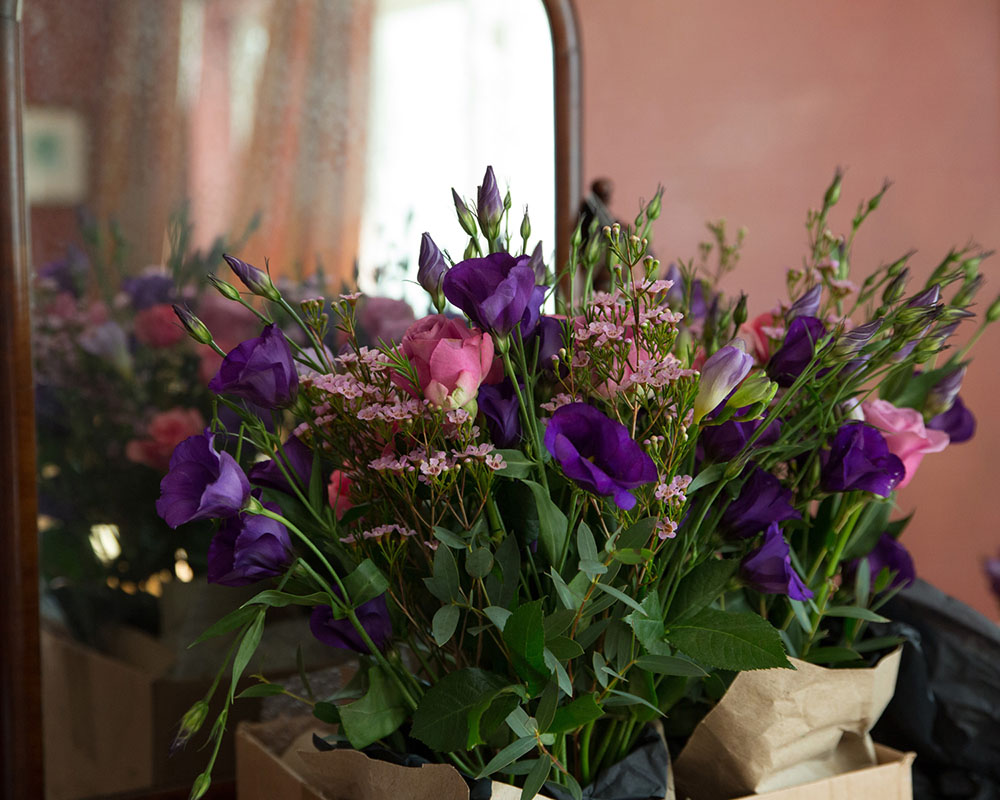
[[720, 375], [256, 280], [967, 292], [942, 395], [927, 298], [489, 205], [431, 267], [465, 217], [195, 327], [894, 290], [853, 341], [537, 263], [807, 305], [191, 723]]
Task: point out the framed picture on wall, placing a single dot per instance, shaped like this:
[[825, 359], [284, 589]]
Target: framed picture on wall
[[55, 156]]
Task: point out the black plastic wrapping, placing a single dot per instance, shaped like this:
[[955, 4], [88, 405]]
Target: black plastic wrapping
[[947, 702]]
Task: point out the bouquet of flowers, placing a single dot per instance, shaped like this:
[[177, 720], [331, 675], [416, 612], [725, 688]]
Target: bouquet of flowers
[[573, 510], [119, 385]]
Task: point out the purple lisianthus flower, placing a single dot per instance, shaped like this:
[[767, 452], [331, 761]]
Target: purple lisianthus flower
[[859, 460], [807, 305], [958, 422], [720, 375], [537, 263], [942, 395], [597, 453], [248, 548], [496, 292], [339, 633], [499, 405], [107, 341], [888, 554], [149, 290], [796, 351], [260, 370], [769, 569], [762, 501], [723, 442], [66, 274], [201, 484], [431, 266], [550, 334], [298, 462]]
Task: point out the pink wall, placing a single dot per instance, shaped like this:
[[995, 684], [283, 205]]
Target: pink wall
[[742, 111]]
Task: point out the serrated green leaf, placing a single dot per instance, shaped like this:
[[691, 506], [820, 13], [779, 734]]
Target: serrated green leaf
[[508, 755], [670, 665], [552, 522], [517, 464], [479, 562], [564, 648], [576, 714], [727, 640], [498, 710], [374, 716], [700, 587], [230, 622], [448, 714], [444, 623], [524, 635], [366, 582], [854, 612]]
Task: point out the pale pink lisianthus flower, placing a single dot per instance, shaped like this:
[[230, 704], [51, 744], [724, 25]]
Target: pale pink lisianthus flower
[[905, 433], [450, 359], [157, 326], [165, 431]]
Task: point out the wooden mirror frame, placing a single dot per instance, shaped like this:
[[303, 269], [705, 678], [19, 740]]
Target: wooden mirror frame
[[21, 765]]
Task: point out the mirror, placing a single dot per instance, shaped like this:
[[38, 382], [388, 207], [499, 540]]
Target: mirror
[[321, 136]]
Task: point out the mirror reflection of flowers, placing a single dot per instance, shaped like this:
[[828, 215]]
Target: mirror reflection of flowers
[[567, 511]]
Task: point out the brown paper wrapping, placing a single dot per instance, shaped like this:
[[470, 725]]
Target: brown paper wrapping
[[780, 727]]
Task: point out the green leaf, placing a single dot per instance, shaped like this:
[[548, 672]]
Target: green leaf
[[546, 710], [509, 559], [567, 596], [801, 615], [374, 716], [592, 568], [600, 665], [585, 544], [444, 581], [452, 540], [564, 648], [618, 594], [854, 612], [497, 711], [498, 616], [326, 712], [869, 528], [648, 625], [447, 716], [705, 477], [879, 643], [576, 714], [444, 623], [479, 562], [621, 698], [633, 556], [734, 641], [831, 655], [562, 677], [275, 599], [524, 634], [637, 536], [230, 622], [508, 755], [248, 646], [558, 622], [536, 778], [517, 464], [262, 690], [365, 583], [670, 665], [700, 587], [552, 523]]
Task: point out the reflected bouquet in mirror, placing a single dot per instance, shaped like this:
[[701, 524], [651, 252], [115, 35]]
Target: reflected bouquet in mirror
[[560, 515]]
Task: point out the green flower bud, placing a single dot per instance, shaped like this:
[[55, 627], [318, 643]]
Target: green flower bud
[[200, 786], [655, 205], [576, 239], [740, 312], [525, 225], [894, 291], [470, 250], [757, 388], [227, 290], [833, 192], [993, 312], [195, 327], [465, 217]]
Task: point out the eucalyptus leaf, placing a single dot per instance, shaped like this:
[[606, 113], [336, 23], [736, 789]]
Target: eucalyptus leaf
[[518, 465], [446, 537], [854, 612], [479, 562], [444, 623], [576, 714], [508, 755], [443, 583], [366, 582]]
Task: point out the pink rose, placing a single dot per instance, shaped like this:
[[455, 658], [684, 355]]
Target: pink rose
[[165, 431], [904, 432], [383, 318], [760, 332], [450, 360], [157, 326], [338, 493]]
